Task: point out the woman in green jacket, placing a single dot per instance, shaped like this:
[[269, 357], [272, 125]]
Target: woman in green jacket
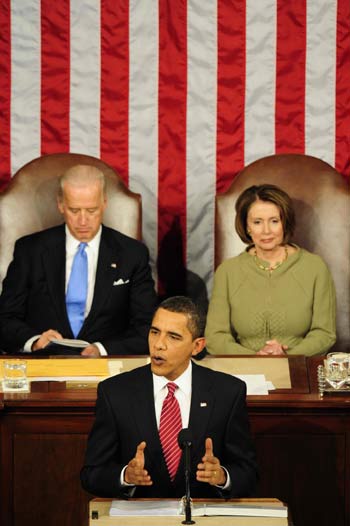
[[275, 298]]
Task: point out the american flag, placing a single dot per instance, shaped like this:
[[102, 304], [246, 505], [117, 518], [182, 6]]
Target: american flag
[[177, 96]]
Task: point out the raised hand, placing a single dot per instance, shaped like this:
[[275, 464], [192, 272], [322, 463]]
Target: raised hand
[[210, 469], [135, 472]]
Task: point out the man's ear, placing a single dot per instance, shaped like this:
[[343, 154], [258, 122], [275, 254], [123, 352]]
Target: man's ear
[[198, 345], [60, 205]]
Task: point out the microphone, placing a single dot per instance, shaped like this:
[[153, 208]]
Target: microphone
[[184, 440]]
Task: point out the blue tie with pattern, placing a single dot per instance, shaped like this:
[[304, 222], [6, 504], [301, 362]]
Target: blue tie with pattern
[[77, 290]]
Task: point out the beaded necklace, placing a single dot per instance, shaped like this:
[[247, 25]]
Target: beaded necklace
[[276, 265]]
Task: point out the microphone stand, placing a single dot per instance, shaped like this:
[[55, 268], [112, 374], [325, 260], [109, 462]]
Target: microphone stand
[[185, 442], [188, 512]]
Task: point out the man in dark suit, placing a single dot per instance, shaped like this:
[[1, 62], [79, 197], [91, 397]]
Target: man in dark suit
[[119, 295], [125, 452]]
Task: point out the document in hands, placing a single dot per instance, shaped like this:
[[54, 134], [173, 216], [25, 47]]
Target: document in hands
[[67, 342], [269, 508]]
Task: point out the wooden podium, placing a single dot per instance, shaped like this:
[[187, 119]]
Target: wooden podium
[[99, 516]]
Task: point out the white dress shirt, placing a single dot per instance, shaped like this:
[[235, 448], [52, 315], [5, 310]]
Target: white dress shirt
[[182, 394]]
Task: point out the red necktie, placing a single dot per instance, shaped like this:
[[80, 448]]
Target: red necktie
[[169, 428]]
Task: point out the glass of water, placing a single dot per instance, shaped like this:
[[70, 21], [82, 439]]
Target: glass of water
[[337, 369], [15, 374]]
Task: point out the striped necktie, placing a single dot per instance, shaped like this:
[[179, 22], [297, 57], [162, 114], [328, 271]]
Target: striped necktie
[[77, 290], [169, 428]]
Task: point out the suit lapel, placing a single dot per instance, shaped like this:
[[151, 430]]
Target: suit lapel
[[108, 264], [202, 406], [142, 406], [54, 264]]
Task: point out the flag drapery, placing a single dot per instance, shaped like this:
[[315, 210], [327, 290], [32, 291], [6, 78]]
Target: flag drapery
[[177, 96]]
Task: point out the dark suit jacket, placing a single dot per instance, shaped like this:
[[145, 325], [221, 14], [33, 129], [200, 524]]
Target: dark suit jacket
[[125, 415], [33, 295]]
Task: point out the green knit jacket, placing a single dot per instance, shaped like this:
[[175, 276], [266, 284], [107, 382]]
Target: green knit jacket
[[294, 304]]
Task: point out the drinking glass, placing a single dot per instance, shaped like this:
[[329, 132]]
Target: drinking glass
[[15, 374], [337, 369]]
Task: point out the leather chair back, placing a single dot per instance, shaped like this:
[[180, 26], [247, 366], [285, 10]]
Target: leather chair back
[[29, 202], [321, 200]]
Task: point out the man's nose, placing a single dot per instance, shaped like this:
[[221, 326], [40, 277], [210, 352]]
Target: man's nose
[[160, 342], [82, 217]]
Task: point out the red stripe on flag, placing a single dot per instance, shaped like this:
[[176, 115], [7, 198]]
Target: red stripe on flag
[[231, 90], [5, 92], [55, 76], [342, 140], [290, 76], [172, 144], [114, 129]]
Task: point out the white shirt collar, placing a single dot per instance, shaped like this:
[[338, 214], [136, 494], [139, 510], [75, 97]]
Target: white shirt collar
[[72, 243], [184, 381]]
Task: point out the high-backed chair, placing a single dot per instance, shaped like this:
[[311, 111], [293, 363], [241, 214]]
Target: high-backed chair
[[29, 202], [321, 200]]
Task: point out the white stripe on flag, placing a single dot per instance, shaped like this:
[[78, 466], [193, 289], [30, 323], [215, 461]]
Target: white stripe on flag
[[320, 79], [25, 82], [143, 115], [260, 79], [201, 138], [85, 77]]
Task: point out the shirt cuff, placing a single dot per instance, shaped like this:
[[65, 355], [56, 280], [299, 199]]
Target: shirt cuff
[[227, 484], [122, 480], [101, 349], [28, 345]]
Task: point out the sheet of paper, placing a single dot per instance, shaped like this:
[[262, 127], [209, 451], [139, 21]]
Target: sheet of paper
[[275, 369], [173, 508], [80, 344], [164, 508], [256, 383], [232, 509]]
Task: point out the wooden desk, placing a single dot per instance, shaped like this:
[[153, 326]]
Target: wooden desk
[[302, 441]]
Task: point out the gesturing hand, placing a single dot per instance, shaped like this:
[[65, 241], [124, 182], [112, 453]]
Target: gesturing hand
[[135, 472], [210, 470]]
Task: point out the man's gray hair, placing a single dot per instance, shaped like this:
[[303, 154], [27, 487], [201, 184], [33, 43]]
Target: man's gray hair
[[81, 175]]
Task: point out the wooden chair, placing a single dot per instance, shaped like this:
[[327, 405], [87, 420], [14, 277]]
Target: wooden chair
[[322, 204], [29, 202]]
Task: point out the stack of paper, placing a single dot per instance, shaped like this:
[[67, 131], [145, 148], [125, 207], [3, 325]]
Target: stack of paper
[[261, 509]]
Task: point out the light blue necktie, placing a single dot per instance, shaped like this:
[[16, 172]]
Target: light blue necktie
[[77, 290]]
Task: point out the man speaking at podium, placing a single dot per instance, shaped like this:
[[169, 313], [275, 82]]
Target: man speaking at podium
[[132, 449]]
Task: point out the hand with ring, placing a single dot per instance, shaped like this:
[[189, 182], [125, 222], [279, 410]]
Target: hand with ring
[[210, 470]]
